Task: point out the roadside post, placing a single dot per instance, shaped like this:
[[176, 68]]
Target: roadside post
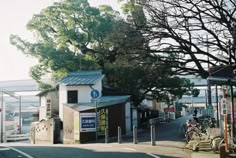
[[153, 135], [106, 135], [94, 95], [119, 135], [135, 141]]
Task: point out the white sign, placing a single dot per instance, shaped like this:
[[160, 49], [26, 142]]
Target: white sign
[[88, 122], [224, 106]]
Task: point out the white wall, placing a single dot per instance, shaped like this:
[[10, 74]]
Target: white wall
[[42, 113], [43, 101], [62, 99], [83, 94]]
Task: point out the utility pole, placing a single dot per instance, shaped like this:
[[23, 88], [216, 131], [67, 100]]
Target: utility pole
[[231, 93], [2, 122], [208, 84], [217, 106], [20, 117]]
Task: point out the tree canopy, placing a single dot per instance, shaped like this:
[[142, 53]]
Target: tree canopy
[[198, 33], [71, 36]]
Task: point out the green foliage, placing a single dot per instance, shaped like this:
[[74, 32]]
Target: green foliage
[[134, 13], [140, 80], [73, 36], [195, 92]]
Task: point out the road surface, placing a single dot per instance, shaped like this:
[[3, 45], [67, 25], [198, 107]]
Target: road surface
[[79, 151], [169, 144]]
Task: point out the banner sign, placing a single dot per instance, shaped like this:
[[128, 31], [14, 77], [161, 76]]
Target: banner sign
[[87, 122], [169, 109]]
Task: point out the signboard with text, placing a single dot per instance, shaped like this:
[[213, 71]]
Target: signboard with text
[[169, 109], [87, 122], [225, 108]]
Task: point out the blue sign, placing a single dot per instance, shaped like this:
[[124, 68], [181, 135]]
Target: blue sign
[[87, 122], [94, 93]]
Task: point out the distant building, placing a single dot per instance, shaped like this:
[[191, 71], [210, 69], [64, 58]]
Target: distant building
[[201, 100]]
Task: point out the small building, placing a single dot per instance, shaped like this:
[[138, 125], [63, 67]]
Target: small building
[[80, 119], [78, 109], [84, 118]]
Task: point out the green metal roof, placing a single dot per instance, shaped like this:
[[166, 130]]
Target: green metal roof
[[81, 78], [102, 102]]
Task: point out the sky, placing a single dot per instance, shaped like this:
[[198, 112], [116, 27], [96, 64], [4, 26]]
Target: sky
[[14, 15]]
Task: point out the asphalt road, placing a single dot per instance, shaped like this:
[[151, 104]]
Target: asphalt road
[[169, 144], [80, 151]]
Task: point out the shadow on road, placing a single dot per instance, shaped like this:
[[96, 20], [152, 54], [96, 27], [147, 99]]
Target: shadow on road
[[77, 152], [168, 131]]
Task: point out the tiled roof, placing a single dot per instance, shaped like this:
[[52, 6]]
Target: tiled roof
[[102, 101], [81, 78]]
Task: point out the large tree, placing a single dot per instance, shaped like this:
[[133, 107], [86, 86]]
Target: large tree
[[73, 36], [198, 33]]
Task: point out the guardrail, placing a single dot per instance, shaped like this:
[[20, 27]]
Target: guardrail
[[17, 137]]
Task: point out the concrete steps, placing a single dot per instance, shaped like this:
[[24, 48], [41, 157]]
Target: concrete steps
[[202, 146]]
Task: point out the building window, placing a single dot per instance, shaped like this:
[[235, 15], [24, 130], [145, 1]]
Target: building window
[[72, 96]]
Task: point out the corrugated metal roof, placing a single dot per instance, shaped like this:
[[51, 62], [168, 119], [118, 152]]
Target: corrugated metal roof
[[81, 78], [102, 101]]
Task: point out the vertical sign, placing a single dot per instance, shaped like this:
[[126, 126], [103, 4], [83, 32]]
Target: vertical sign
[[102, 121], [49, 108]]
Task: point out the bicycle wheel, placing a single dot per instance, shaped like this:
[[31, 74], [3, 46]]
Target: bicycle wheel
[[215, 143], [191, 135]]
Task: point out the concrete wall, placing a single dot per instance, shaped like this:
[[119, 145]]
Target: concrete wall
[[42, 132], [83, 94], [71, 130], [68, 126], [45, 132], [42, 113]]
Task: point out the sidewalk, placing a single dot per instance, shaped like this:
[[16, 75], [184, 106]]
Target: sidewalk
[[168, 138], [204, 155]]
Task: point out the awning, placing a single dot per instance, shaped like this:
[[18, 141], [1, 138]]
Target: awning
[[221, 81], [101, 102]]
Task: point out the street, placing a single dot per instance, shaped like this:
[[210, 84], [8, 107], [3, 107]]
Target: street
[[58, 151], [169, 144]]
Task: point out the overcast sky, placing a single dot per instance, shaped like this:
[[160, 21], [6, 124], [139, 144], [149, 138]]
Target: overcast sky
[[14, 15]]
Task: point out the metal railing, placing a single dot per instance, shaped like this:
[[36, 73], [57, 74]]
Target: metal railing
[[17, 137]]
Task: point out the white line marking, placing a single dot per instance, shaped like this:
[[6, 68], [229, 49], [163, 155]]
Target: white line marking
[[21, 152], [130, 149], [4, 149], [153, 155]]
